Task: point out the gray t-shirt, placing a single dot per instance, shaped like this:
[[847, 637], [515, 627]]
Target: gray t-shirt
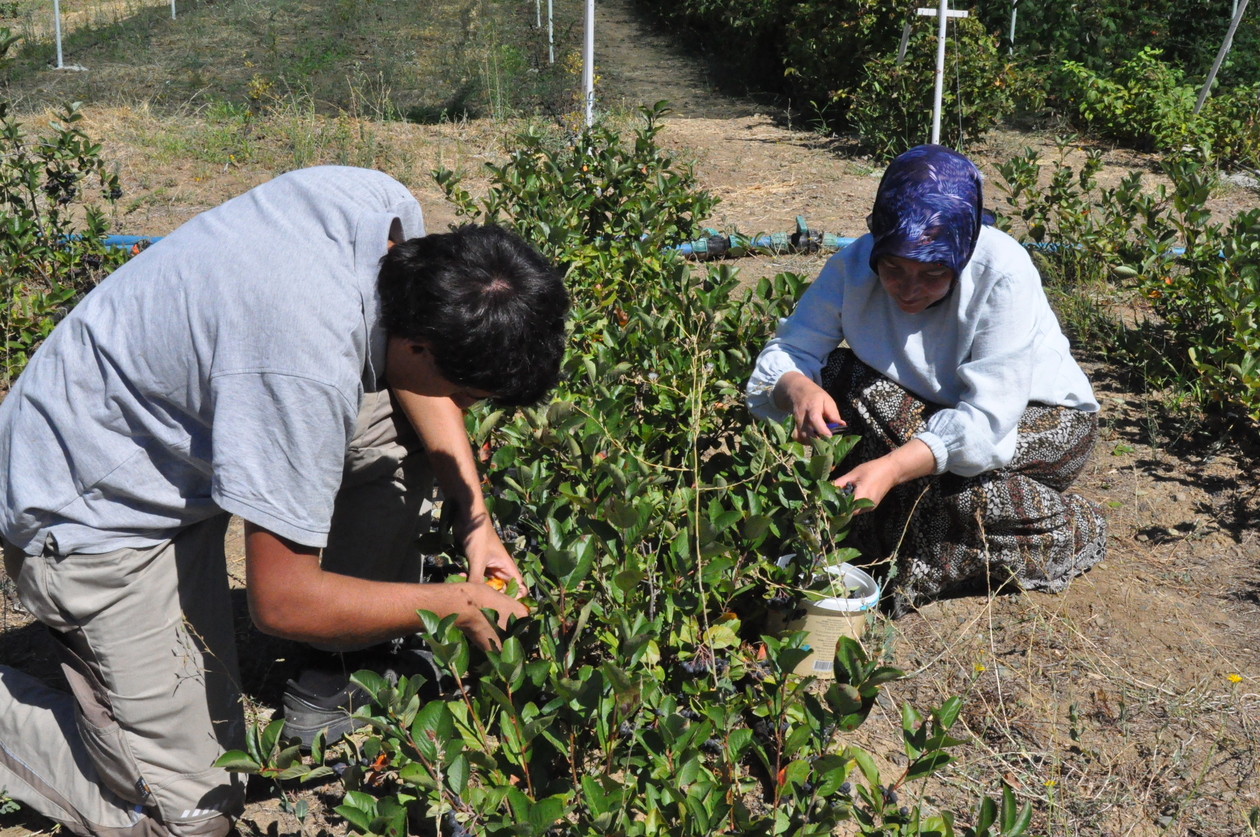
[[220, 370]]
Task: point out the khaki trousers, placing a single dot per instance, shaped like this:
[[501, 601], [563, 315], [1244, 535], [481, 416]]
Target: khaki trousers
[[146, 643]]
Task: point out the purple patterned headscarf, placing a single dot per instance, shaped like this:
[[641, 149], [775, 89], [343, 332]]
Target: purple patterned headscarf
[[929, 208]]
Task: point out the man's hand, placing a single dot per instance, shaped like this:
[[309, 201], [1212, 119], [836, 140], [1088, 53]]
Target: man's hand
[[873, 480], [474, 624], [290, 596], [810, 404], [487, 556]]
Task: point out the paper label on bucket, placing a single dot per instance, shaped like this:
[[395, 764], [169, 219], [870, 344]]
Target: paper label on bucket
[[824, 629]]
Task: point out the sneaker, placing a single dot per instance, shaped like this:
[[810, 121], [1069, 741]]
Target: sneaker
[[320, 700]]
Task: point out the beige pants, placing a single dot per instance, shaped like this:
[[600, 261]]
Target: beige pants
[[146, 644]]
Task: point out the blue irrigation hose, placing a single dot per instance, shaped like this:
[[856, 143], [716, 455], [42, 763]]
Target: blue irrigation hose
[[714, 246], [134, 243]]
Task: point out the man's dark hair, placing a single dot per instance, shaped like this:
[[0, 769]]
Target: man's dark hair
[[491, 307]]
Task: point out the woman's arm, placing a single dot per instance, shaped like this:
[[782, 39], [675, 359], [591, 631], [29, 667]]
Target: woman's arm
[[874, 479], [801, 345], [978, 433]]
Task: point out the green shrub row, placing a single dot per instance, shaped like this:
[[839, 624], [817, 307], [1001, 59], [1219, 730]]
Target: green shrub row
[[1147, 103], [1097, 63], [52, 186], [1197, 281], [838, 60], [1105, 33], [891, 106]]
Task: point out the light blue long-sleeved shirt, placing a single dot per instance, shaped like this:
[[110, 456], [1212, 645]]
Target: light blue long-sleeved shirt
[[989, 349]]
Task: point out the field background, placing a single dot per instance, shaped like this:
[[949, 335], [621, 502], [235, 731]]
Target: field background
[[1130, 704]]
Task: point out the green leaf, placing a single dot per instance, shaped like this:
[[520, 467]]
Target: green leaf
[[236, 761], [370, 681], [987, 816], [947, 714], [432, 729], [867, 765], [928, 763], [627, 580], [359, 820], [321, 772], [317, 747], [270, 735], [457, 774], [293, 771], [850, 661]]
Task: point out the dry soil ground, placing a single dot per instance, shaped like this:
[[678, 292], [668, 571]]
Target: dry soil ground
[[1130, 704]]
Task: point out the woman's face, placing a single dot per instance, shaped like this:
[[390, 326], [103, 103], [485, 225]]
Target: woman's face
[[913, 285]]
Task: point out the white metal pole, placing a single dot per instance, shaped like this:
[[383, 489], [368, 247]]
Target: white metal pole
[[941, 20], [538, 14], [551, 39], [905, 42], [588, 63], [172, 9], [1220, 56], [1014, 9], [57, 30]]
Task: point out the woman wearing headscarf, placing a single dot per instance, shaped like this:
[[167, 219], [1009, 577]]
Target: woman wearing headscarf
[[974, 418]]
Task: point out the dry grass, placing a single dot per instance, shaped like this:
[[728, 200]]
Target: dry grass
[[366, 57]]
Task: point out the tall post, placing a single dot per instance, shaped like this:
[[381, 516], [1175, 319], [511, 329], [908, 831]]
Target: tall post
[[538, 14], [588, 64], [905, 42], [941, 20], [57, 31], [551, 37], [942, 13], [1014, 10], [1220, 56], [172, 9]]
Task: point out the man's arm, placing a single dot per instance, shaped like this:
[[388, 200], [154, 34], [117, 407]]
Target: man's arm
[[291, 597], [439, 421]]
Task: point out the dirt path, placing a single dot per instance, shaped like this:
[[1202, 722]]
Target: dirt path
[[639, 65]]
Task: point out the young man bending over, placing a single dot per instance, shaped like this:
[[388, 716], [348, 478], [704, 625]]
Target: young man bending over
[[300, 356]]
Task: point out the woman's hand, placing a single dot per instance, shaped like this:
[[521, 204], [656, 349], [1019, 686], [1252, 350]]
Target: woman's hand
[[873, 480], [810, 404]]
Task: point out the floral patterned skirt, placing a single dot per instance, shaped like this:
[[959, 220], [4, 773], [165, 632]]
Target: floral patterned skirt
[[946, 534]]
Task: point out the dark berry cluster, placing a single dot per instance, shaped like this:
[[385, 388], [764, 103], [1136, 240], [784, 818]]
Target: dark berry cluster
[[695, 666], [453, 828], [781, 601], [765, 730], [60, 186]]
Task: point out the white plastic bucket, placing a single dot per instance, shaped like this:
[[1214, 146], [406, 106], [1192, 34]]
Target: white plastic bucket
[[827, 620]]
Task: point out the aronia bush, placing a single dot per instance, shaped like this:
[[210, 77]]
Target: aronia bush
[[644, 694]]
